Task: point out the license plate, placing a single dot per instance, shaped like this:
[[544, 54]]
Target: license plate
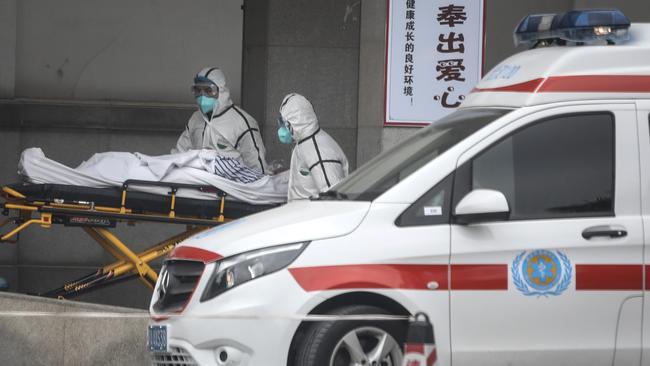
[[158, 338]]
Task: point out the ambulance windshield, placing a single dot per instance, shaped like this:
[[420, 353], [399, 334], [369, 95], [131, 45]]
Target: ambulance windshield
[[397, 163]]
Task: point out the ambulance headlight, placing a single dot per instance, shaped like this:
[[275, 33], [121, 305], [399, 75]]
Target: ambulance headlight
[[234, 271], [585, 26]]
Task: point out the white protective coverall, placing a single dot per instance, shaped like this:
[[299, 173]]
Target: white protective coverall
[[317, 161], [229, 130]]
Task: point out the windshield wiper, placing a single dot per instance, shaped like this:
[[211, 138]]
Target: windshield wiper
[[331, 195]]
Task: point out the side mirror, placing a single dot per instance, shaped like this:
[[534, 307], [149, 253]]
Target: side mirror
[[481, 205]]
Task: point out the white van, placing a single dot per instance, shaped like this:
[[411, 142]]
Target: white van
[[518, 224]]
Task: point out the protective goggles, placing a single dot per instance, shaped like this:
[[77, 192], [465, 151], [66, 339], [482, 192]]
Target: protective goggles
[[206, 89]]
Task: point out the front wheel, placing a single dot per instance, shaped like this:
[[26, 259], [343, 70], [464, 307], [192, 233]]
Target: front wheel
[[353, 342]]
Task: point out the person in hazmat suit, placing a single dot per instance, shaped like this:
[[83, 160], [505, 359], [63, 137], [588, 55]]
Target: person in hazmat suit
[[317, 161], [220, 125]]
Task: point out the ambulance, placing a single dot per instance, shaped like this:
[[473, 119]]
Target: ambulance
[[519, 224]]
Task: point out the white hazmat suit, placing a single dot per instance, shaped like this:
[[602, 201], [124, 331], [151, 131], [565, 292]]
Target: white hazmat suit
[[228, 129], [317, 161]]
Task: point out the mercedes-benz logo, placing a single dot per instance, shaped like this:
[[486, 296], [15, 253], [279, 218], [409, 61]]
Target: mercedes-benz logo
[[164, 282]]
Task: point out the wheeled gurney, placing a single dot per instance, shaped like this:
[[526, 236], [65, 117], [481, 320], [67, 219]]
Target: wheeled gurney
[[98, 210]]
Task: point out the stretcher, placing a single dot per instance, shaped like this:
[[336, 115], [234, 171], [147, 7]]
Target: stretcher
[[98, 210]]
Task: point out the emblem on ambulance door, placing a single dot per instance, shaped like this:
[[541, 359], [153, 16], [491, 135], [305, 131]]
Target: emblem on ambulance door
[[541, 273]]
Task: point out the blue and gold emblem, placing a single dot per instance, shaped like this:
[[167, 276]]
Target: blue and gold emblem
[[542, 273]]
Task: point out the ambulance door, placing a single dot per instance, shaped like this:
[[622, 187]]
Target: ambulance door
[[557, 280], [643, 116], [422, 231]]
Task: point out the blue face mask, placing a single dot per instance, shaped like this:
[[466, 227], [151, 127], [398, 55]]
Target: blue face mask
[[206, 104], [284, 135]]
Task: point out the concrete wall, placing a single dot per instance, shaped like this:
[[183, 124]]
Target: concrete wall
[[371, 79], [310, 47], [60, 62], [35, 341], [8, 47], [146, 51], [306, 46]]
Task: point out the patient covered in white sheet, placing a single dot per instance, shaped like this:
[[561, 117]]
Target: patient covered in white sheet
[[199, 167], [120, 165]]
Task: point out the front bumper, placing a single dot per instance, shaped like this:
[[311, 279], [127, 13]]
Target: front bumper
[[253, 324]]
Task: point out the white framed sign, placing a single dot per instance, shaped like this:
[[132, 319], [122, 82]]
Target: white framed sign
[[434, 58]]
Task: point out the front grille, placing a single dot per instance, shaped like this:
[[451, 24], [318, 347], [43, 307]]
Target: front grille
[[177, 357], [178, 279]]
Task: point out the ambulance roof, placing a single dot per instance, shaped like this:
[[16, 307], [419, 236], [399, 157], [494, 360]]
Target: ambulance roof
[[568, 73]]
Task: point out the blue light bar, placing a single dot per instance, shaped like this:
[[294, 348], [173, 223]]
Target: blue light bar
[[593, 25], [577, 26], [534, 28]]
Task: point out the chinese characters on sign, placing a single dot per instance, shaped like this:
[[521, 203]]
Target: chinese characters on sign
[[434, 58], [451, 69], [409, 48]]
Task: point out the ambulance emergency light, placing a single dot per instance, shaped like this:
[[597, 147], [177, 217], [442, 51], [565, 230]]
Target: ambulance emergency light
[[593, 25], [533, 29], [577, 26]]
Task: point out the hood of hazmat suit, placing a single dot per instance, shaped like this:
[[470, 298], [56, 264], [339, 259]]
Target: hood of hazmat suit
[[228, 129], [317, 161]]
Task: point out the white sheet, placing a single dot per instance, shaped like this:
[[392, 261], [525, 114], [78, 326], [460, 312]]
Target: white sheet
[[111, 169]]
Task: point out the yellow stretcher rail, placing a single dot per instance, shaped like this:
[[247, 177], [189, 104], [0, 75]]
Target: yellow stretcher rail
[[12, 193], [98, 221], [45, 221]]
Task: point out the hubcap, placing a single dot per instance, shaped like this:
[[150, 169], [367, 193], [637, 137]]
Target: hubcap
[[367, 346]]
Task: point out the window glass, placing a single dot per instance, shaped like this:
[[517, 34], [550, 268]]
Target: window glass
[[430, 209], [393, 165], [560, 167]]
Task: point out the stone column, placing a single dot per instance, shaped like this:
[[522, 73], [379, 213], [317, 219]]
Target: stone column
[[309, 47], [8, 47], [372, 56]]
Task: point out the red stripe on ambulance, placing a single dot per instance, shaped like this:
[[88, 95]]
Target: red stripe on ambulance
[[192, 253], [403, 276], [597, 84], [591, 277], [475, 277], [479, 276], [393, 276], [525, 87], [578, 84]]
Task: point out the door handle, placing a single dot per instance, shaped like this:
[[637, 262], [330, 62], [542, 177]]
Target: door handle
[[610, 231]]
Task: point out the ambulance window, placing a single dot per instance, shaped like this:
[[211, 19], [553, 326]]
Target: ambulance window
[[559, 167], [394, 165], [430, 209]]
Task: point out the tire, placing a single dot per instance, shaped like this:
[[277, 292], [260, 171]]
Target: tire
[[328, 343]]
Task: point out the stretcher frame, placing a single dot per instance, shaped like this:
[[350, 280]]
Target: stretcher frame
[[96, 221]]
